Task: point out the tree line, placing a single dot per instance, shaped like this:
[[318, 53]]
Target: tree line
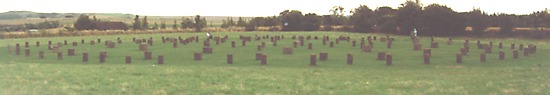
[[197, 23], [28, 26], [85, 23], [432, 20]]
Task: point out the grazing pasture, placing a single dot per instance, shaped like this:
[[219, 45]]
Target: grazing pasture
[[181, 73]]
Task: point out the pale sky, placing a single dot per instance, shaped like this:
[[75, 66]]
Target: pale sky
[[251, 7]]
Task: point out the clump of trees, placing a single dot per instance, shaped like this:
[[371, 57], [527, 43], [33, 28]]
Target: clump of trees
[[198, 23], [294, 20], [228, 23], [186, 23], [84, 23], [137, 23], [408, 15], [363, 19], [44, 25], [252, 24], [311, 21], [291, 20], [385, 20], [439, 20]]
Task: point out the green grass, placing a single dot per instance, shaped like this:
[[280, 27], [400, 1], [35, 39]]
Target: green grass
[[283, 74]]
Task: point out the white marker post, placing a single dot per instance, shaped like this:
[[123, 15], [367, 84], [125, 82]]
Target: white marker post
[[415, 32]]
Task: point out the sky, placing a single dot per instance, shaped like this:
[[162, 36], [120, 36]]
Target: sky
[[252, 7]]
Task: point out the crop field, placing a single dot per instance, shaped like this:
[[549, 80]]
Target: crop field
[[181, 73]]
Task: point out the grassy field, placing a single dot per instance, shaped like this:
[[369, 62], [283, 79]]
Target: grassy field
[[283, 74]]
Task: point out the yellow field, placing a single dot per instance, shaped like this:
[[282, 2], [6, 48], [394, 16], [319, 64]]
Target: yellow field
[[518, 29]]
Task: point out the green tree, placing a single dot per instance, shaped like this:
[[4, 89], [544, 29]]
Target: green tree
[[547, 18], [385, 19], [55, 24], [291, 20], [328, 22], [95, 19], [83, 23], [187, 23], [211, 24], [204, 22], [199, 24], [228, 23], [162, 25], [478, 20], [175, 25], [257, 21], [224, 24], [145, 24], [137, 23], [506, 23], [337, 11], [272, 21], [31, 26], [538, 19], [251, 26], [264, 21], [338, 17], [44, 25], [408, 15], [441, 20], [363, 19], [156, 26], [312, 22], [241, 22]]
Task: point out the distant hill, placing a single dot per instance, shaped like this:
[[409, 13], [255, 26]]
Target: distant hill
[[28, 14], [22, 17], [17, 15]]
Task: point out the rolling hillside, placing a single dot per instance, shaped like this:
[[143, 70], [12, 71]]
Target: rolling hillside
[[22, 17]]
